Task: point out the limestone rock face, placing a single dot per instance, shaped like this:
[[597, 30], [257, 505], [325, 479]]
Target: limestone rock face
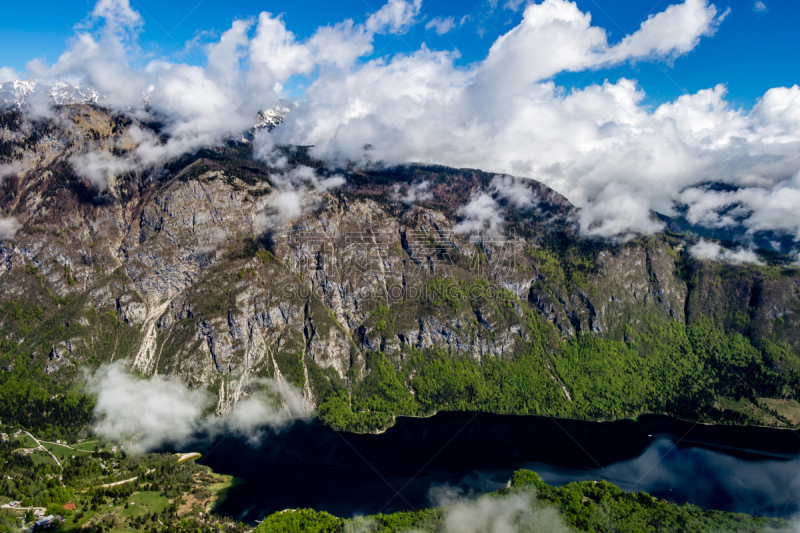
[[58, 358], [191, 269]]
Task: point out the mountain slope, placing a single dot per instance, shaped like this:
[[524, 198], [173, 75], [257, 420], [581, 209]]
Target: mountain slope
[[377, 297]]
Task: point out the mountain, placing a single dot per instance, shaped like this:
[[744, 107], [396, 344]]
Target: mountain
[[378, 297], [15, 94]]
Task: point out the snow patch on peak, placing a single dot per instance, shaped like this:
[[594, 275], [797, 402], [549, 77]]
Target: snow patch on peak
[[272, 118], [15, 94]]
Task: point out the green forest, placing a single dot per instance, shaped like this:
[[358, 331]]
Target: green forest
[[29, 400], [668, 368], [529, 505]]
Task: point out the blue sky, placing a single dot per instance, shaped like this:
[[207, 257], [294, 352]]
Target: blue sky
[[751, 52]]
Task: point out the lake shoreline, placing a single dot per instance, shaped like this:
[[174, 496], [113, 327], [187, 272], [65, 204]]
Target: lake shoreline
[[477, 452], [592, 420]]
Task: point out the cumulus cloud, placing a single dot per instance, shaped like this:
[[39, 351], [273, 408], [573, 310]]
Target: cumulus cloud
[[671, 33], [600, 146], [760, 7], [159, 410], [441, 25], [711, 251], [200, 106], [396, 16], [8, 228], [99, 55]]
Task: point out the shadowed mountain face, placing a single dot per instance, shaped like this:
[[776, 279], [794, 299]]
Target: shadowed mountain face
[[217, 268]]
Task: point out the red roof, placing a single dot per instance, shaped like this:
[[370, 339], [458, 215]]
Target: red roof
[[70, 506]]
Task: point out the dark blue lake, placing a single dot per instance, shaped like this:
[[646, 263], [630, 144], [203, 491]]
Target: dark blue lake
[[744, 469]]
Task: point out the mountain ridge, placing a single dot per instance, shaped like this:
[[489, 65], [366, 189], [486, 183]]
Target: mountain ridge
[[372, 290]]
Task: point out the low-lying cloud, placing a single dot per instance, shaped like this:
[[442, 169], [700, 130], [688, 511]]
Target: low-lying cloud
[[483, 215], [8, 228], [158, 411], [514, 513], [98, 167], [292, 182], [11, 169], [414, 193], [711, 251]]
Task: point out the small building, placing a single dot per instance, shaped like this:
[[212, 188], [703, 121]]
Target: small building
[[44, 523], [70, 506]]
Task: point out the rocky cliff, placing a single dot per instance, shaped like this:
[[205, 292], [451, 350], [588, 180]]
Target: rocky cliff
[[192, 269]]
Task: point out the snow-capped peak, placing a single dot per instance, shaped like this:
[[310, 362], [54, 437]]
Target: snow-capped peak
[[15, 94]]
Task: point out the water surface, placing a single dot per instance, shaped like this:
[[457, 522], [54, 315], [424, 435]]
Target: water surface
[[743, 469]]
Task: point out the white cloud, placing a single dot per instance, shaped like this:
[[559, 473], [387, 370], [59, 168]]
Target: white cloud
[[99, 55], [11, 169], [396, 16], [8, 74], [98, 167], [515, 190], [757, 208], [483, 215], [555, 36], [159, 410], [673, 32], [8, 228], [417, 192], [292, 186], [711, 251], [480, 216], [600, 146], [513, 513], [276, 406], [513, 5], [760, 7], [618, 213], [441, 25]]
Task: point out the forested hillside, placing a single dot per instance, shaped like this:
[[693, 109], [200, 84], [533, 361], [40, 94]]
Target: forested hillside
[[530, 505]]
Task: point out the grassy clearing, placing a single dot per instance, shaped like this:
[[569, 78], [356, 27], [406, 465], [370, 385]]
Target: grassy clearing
[[42, 458], [140, 503], [151, 501], [26, 442], [752, 412], [62, 452], [788, 409], [88, 446]]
